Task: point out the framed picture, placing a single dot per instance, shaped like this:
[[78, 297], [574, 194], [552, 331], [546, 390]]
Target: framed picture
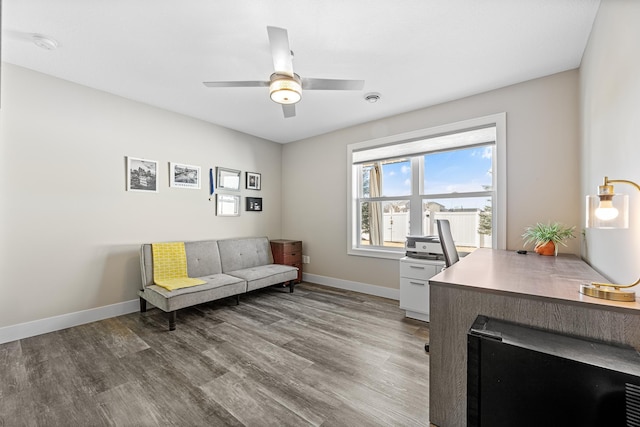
[[184, 176], [254, 204], [228, 179], [253, 181], [142, 175], [227, 205]]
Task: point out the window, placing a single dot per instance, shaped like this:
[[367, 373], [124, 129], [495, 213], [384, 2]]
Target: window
[[401, 185]]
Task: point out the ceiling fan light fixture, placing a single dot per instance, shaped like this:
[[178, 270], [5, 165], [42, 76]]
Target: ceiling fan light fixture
[[285, 89]]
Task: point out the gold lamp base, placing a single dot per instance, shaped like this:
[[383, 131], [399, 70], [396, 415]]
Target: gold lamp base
[[607, 293]]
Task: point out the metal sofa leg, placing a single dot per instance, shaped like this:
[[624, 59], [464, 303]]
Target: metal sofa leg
[[172, 320], [237, 299], [143, 305], [291, 283]]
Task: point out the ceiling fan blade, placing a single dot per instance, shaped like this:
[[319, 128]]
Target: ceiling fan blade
[[282, 57], [289, 110], [331, 84], [250, 83]]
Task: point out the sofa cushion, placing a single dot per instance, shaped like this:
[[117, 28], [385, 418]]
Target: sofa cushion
[[239, 254], [203, 258], [217, 286], [266, 275]]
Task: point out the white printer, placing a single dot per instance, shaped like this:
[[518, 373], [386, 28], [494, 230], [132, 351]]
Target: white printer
[[423, 247]]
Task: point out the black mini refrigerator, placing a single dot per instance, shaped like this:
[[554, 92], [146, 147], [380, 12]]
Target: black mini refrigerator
[[521, 376]]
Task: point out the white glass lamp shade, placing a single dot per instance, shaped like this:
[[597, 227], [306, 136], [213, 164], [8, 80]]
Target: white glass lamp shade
[[285, 90], [611, 211]]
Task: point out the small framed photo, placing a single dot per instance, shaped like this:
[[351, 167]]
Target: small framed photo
[[142, 175], [227, 205], [228, 179], [253, 181], [254, 204], [184, 176]]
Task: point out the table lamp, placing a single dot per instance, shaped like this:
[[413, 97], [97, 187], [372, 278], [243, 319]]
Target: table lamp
[[609, 210]]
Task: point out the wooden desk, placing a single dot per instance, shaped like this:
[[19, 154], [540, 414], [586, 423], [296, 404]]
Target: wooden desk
[[534, 290]]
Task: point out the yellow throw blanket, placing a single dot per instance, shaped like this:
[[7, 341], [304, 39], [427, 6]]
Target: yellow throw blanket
[[170, 266]]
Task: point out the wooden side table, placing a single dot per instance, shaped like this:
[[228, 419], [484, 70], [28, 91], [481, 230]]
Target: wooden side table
[[288, 252]]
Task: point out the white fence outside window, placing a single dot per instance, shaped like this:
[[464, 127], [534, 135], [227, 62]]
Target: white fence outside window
[[464, 227]]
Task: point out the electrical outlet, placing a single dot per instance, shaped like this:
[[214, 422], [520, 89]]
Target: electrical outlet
[[306, 259]]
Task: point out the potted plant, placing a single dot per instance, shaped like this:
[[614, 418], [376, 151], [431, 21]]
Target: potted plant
[[547, 237]]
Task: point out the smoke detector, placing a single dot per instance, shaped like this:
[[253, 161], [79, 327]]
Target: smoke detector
[[44, 42], [372, 97]]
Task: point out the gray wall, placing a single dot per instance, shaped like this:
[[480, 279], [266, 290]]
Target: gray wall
[[70, 232], [542, 172], [610, 113]]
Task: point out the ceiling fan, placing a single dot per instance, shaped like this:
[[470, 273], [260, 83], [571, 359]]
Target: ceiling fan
[[285, 86]]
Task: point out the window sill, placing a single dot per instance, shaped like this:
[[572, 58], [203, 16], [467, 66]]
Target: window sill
[[376, 253]]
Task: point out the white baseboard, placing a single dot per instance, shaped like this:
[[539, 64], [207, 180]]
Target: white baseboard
[[417, 316], [56, 323], [365, 288]]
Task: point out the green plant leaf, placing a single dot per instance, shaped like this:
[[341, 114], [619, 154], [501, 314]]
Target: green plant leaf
[[543, 233]]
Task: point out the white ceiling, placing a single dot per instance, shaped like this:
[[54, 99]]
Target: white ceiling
[[415, 53]]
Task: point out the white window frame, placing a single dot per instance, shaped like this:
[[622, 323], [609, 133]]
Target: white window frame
[[499, 202]]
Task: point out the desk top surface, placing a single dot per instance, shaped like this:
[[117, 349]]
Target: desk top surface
[[530, 276]]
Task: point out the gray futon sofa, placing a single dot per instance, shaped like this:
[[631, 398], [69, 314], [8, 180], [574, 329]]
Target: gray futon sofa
[[229, 267]]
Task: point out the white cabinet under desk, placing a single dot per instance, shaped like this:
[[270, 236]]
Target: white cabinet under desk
[[414, 285]]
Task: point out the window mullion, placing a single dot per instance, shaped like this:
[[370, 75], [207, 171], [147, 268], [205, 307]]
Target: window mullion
[[458, 195], [384, 199], [415, 204]]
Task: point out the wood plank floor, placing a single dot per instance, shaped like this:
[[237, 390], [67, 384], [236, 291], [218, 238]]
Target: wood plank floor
[[320, 356]]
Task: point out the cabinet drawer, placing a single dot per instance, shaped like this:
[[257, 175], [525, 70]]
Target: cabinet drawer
[[294, 247], [289, 259], [414, 295], [418, 270], [283, 247]]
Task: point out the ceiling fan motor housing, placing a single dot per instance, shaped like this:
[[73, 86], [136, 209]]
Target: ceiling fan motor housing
[[285, 89]]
